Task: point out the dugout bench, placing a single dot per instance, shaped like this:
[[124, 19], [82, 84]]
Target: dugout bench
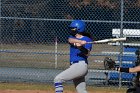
[[130, 57]]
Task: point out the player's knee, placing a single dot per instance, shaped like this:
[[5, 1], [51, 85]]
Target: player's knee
[[57, 79], [81, 88]]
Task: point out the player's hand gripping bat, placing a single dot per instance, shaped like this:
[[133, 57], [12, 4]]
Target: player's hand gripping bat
[[108, 40]]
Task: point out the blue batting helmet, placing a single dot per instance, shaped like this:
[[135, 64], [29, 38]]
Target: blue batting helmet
[[78, 25]]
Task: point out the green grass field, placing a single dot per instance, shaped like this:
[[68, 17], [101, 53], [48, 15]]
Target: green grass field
[[50, 87], [25, 86]]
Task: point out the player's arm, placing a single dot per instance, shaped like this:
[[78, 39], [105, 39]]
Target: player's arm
[[135, 69], [74, 41], [83, 50], [129, 70], [79, 44]]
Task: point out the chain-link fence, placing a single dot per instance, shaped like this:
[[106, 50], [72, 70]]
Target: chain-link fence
[[34, 33]]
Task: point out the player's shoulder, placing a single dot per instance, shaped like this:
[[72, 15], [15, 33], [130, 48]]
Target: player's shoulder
[[87, 38], [71, 36]]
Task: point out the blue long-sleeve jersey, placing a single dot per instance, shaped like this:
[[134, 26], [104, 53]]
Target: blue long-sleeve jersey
[[75, 53]]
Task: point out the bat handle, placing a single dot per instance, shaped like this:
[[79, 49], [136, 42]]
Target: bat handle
[[91, 42]]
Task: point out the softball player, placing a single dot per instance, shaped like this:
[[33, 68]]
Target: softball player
[[136, 89], [109, 64], [79, 52]]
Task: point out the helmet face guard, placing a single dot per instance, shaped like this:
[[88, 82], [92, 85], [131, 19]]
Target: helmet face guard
[[73, 31]]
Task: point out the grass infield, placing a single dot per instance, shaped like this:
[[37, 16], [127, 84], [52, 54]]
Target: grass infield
[[50, 87]]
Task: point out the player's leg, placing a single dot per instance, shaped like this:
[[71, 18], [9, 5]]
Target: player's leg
[[80, 85], [58, 87], [131, 90], [137, 89], [75, 70]]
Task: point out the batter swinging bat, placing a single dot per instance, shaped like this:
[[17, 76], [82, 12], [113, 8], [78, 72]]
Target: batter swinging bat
[[108, 40]]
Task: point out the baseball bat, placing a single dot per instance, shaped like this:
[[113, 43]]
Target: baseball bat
[[108, 40]]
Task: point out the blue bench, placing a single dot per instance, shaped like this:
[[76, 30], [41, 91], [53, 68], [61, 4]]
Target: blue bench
[[128, 60]]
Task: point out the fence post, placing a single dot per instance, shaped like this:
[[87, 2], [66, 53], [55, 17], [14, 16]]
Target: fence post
[[56, 52], [121, 44]]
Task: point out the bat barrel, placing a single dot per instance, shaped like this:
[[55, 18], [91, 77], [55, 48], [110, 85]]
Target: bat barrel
[[108, 40]]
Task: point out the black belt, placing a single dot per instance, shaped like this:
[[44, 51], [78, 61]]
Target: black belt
[[73, 62]]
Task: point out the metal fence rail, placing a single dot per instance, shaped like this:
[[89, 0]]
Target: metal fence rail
[[34, 32]]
